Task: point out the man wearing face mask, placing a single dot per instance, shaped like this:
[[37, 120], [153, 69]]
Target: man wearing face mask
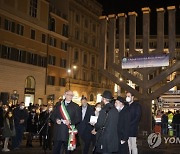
[[123, 125], [47, 130], [84, 128], [20, 120], [135, 115]]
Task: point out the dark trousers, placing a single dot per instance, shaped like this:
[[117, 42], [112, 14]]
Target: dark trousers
[[85, 145], [16, 140], [57, 149], [123, 148]]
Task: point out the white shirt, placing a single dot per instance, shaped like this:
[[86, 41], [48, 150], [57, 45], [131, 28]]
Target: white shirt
[[83, 111]]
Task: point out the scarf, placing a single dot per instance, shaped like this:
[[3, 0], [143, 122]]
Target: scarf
[[72, 129]]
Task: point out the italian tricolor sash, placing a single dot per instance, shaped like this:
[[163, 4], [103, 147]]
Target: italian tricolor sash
[[72, 129]]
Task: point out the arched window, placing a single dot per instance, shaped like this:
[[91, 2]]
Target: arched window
[[91, 97], [30, 82]]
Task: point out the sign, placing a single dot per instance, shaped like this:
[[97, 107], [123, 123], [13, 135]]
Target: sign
[[29, 91], [145, 61]]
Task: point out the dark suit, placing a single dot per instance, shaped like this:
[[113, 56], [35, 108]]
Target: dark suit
[[135, 115], [84, 129], [61, 134], [123, 130], [107, 142]]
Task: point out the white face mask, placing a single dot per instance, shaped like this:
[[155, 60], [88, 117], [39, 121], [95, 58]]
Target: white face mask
[[98, 109], [128, 99], [50, 109], [118, 108], [21, 107]]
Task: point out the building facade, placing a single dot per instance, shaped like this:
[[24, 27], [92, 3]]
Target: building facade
[[40, 40], [33, 50], [84, 51]]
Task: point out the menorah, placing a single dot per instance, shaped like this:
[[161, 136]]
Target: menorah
[[110, 65]]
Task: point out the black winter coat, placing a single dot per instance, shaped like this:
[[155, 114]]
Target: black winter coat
[[61, 131], [124, 124], [108, 140], [135, 115]]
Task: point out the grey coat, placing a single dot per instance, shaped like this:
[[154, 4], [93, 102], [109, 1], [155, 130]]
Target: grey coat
[[7, 131]]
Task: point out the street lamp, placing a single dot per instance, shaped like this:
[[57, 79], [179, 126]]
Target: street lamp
[[74, 67], [69, 72]]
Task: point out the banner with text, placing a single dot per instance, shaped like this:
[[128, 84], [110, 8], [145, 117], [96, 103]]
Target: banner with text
[[145, 61]]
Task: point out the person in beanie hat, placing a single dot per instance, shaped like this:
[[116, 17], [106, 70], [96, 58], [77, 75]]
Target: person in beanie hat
[[123, 125], [106, 126]]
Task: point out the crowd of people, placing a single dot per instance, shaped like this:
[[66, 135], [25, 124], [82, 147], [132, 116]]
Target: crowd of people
[[167, 123], [110, 126]]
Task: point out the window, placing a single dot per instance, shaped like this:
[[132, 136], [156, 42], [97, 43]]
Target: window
[[62, 82], [9, 25], [51, 60], [63, 63], [22, 56], [85, 38], [32, 34], [92, 76], [84, 76], [52, 24], [94, 42], [65, 30], [86, 23], [64, 46], [43, 38], [92, 61], [94, 28], [51, 80], [77, 18], [52, 41], [33, 8], [77, 34], [20, 29], [91, 97], [85, 59], [76, 55]]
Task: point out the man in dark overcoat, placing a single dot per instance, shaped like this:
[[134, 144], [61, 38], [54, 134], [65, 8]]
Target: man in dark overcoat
[[84, 127], [61, 131], [20, 120], [106, 126], [123, 125]]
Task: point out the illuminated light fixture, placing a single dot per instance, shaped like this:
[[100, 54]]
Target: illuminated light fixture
[[69, 70], [121, 79], [74, 67]]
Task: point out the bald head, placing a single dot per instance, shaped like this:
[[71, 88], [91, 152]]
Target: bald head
[[69, 95]]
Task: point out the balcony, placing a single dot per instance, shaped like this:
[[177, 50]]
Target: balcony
[[56, 11]]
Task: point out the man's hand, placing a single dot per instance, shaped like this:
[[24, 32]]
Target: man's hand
[[67, 122], [21, 121], [58, 121], [93, 132], [122, 141]]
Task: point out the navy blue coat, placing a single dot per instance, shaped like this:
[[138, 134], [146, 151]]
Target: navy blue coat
[[135, 115], [84, 128], [124, 124]]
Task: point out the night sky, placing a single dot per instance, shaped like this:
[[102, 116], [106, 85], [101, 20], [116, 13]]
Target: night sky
[[118, 6], [125, 6]]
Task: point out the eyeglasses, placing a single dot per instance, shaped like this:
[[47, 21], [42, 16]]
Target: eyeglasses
[[70, 95]]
